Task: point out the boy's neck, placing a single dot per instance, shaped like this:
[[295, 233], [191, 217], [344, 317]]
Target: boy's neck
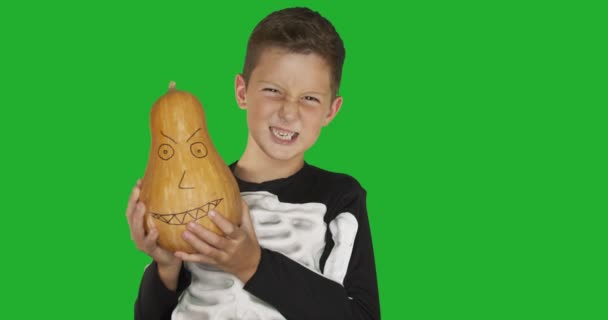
[[254, 166]]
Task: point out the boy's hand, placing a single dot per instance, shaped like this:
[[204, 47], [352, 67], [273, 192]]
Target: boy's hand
[[238, 252], [147, 243]]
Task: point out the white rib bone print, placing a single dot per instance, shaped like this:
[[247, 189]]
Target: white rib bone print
[[297, 231]]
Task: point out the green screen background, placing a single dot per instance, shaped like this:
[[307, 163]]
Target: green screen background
[[478, 130]]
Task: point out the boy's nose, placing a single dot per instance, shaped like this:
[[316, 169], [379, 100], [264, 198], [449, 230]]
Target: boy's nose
[[289, 110]]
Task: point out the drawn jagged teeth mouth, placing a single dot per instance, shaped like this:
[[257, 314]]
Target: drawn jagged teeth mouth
[[187, 216]]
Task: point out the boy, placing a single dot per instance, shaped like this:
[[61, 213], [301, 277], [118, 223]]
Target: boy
[[303, 250]]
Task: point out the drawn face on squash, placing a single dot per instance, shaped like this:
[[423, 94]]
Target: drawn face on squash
[[185, 177]]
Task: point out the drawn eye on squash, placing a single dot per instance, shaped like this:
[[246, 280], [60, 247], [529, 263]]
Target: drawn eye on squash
[[166, 151], [198, 149]]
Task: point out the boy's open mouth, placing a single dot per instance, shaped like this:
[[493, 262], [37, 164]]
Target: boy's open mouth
[[182, 218], [284, 135]]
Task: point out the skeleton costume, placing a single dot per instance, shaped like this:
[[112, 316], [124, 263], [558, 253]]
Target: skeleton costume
[[317, 259]]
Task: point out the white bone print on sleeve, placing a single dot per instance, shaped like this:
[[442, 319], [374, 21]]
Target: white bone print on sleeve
[[343, 230]]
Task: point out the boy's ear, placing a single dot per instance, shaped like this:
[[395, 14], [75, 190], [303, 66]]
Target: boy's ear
[[240, 91], [333, 110]]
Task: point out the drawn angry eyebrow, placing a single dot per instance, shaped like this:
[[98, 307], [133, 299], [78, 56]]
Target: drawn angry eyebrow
[[166, 136], [197, 130]]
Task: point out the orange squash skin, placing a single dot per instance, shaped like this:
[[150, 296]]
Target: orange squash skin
[[185, 176]]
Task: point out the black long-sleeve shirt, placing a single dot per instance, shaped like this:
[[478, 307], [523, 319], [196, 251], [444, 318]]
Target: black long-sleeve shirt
[[317, 259]]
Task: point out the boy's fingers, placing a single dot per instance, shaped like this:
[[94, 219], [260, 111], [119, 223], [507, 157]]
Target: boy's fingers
[[201, 246], [132, 200], [198, 258], [150, 223], [137, 223], [150, 240], [226, 226], [207, 236], [246, 217]]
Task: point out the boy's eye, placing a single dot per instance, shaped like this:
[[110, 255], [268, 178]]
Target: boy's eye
[[271, 90], [309, 98]]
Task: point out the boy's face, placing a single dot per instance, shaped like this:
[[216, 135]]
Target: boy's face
[[288, 100]]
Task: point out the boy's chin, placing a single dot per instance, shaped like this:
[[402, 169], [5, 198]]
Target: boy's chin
[[285, 156], [284, 153], [280, 152]]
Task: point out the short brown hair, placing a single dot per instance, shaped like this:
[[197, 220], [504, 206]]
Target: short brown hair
[[298, 30]]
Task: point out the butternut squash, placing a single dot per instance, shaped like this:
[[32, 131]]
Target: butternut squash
[[185, 176]]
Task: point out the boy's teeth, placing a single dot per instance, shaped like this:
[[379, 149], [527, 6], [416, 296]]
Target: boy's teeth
[[284, 135]]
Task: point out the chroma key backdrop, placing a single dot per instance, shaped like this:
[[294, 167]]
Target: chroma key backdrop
[[478, 130]]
